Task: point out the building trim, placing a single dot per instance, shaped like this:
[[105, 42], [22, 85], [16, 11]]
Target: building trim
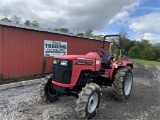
[[42, 30]]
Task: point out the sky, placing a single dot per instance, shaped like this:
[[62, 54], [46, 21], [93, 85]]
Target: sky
[[139, 18]]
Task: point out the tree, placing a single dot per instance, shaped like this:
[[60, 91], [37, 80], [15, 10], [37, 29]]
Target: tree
[[150, 54], [114, 44], [16, 19], [65, 30], [5, 20], [145, 44], [156, 48], [35, 24], [126, 42], [88, 33], [50, 29], [27, 22], [145, 49], [98, 37], [81, 34], [134, 52], [123, 34]]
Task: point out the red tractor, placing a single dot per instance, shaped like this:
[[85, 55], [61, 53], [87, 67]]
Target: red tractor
[[83, 76]]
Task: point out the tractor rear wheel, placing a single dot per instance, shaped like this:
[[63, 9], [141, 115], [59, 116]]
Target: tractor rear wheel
[[122, 84], [88, 101], [47, 92]]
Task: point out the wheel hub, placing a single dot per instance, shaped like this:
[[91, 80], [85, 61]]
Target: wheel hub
[[93, 101], [51, 91], [128, 84]]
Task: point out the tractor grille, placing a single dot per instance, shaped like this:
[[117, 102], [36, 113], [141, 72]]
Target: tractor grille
[[62, 74]]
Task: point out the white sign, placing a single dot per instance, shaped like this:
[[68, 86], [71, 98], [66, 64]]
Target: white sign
[[53, 48]]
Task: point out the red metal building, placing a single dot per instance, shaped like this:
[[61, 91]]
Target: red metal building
[[22, 49]]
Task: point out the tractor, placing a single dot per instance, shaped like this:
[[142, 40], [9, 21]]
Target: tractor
[[83, 76]]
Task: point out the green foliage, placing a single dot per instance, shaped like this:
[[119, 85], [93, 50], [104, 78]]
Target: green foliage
[[146, 62], [98, 37], [146, 51], [65, 30], [123, 34], [35, 23], [158, 60], [157, 51], [126, 44], [138, 49], [18, 20], [134, 52], [27, 22], [88, 33], [16, 79], [81, 34], [5, 20]]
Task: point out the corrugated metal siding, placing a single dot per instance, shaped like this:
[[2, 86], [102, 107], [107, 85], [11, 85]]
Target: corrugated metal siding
[[0, 51], [22, 51]]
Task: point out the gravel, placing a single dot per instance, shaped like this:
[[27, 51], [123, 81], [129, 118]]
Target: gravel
[[146, 71], [23, 103]]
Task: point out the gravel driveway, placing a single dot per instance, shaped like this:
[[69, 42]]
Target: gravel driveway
[[23, 103]]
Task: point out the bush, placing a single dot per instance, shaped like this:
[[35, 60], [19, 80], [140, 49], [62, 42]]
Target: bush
[[158, 60]]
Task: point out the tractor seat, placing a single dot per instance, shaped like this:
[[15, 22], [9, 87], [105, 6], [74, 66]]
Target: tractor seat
[[106, 59]]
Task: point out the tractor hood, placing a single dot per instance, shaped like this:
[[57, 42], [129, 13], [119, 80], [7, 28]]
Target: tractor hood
[[89, 56]]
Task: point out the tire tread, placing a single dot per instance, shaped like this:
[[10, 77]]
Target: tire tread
[[118, 83], [83, 99]]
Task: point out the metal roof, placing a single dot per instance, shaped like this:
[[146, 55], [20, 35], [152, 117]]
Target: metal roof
[[40, 29], [32, 28]]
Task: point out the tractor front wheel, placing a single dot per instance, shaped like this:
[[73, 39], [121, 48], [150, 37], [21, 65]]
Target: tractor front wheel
[[122, 84], [47, 92], [88, 101]]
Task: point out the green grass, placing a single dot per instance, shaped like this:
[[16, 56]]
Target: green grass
[[147, 62]]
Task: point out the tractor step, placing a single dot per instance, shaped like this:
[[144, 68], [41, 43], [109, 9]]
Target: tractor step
[[104, 76]]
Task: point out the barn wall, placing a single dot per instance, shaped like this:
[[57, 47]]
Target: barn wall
[[0, 54], [22, 50]]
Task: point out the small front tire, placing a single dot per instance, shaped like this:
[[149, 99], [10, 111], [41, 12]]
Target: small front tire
[[88, 101], [47, 92]]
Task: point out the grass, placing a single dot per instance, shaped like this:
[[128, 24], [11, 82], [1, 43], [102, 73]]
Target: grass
[[147, 62]]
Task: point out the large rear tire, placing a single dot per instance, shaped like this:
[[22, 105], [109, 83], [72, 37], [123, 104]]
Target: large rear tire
[[47, 92], [123, 83], [88, 101]]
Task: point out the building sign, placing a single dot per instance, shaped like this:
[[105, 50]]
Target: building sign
[[53, 48]]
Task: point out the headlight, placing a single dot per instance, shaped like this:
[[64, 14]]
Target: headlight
[[54, 61], [64, 63]]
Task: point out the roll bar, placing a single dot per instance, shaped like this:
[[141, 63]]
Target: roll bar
[[119, 44]]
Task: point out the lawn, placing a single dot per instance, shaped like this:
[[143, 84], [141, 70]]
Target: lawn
[[147, 62]]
